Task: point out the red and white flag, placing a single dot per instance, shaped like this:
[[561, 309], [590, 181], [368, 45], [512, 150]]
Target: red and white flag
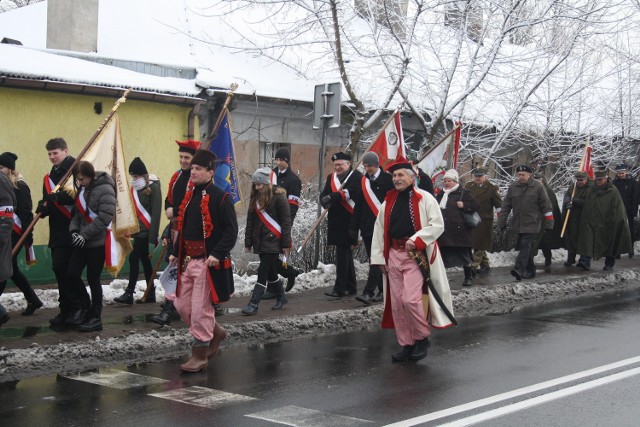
[[442, 157], [587, 165], [390, 143]]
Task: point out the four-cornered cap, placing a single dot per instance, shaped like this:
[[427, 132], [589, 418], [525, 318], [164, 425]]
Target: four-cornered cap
[[8, 160], [400, 163], [282, 154], [480, 171], [340, 156], [137, 167], [524, 168], [581, 175], [204, 158], [370, 159], [261, 176], [188, 146], [601, 174], [621, 167]]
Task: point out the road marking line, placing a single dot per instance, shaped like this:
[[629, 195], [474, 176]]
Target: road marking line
[[113, 378], [303, 417], [514, 393], [534, 401], [203, 397]]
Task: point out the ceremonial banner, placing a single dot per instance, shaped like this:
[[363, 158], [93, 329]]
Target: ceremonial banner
[[226, 174], [441, 158], [390, 143], [587, 165]]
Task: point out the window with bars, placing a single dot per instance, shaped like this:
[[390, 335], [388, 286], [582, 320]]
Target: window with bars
[[266, 152]]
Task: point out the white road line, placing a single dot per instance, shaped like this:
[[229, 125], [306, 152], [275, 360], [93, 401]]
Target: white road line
[[514, 393], [534, 401], [303, 417], [203, 397], [113, 378]]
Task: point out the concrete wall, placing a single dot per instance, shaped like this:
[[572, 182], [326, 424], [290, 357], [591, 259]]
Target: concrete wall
[[72, 25]]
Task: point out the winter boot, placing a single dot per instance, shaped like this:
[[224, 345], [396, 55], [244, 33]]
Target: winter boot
[[420, 349], [125, 298], [4, 316], [252, 308], [198, 361], [151, 297], [402, 355], [33, 303], [291, 278], [167, 314], [93, 321], [281, 297], [270, 292], [219, 334], [468, 276]]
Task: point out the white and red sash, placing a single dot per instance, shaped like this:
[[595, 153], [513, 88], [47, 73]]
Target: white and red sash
[[273, 178], [370, 197], [335, 185], [49, 186], [29, 253], [269, 222], [141, 212], [111, 254]]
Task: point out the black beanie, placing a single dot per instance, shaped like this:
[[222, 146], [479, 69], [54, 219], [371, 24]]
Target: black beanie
[[137, 167], [282, 154], [8, 160]]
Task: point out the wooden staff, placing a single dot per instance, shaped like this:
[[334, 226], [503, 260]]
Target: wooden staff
[[573, 192], [27, 230], [225, 109], [150, 283], [325, 210]]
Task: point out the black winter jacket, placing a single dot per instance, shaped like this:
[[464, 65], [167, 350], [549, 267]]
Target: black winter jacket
[[259, 237], [628, 189], [293, 186], [58, 222], [24, 211], [456, 233], [363, 218]]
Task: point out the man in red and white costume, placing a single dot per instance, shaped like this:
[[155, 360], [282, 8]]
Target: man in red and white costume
[[410, 219]]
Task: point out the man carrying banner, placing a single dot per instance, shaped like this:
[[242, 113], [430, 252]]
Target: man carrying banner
[[573, 202], [410, 220], [340, 202], [374, 186], [208, 230], [58, 206], [175, 194], [7, 202]]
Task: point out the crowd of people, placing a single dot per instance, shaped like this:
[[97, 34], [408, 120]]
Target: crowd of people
[[411, 236]]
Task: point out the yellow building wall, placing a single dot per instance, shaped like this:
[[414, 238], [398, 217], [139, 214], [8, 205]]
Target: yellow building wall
[[29, 118]]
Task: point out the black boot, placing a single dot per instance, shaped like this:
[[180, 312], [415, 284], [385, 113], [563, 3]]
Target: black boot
[[125, 298], [256, 296], [270, 292], [282, 299], [402, 355], [4, 317], [93, 322], [468, 276], [167, 314], [291, 278], [420, 349], [33, 305]]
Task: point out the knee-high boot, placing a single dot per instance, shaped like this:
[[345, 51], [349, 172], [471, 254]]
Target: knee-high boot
[[198, 361], [252, 308], [280, 295]]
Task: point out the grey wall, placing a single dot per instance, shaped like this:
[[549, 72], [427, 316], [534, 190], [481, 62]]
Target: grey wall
[[72, 25]]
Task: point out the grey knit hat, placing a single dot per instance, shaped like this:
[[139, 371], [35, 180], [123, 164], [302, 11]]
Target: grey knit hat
[[261, 176], [370, 159]]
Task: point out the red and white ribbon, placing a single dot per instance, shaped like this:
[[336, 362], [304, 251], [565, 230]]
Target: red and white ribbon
[[49, 186], [111, 250], [269, 222], [370, 197], [141, 212], [348, 204], [30, 255]]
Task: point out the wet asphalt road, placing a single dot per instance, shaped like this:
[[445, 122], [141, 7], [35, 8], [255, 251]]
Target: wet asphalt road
[[349, 380]]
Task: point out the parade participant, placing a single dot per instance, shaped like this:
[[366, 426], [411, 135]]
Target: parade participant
[[374, 187], [629, 190], [7, 202], [285, 178], [91, 236], [208, 230], [268, 233], [22, 217], [455, 241], [147, 198], [573, 208], [58, 206], [340, 203], [488, 197], [531, 206], [175, 194], [604, 229], [410, 220], [546, 240]]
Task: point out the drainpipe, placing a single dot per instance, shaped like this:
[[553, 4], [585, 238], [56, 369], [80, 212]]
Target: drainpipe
[[191, 121]]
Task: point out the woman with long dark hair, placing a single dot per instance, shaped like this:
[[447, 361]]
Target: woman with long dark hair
[[268, 233]]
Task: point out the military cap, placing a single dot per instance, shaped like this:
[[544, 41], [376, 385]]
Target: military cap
[[524, 168], [581, 175], [340, 156], [480, 171]]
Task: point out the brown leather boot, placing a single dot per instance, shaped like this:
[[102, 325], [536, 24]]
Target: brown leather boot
[[198, 361], [219, 334]]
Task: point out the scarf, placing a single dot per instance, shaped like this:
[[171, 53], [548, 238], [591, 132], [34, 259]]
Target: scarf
[[443, 202]]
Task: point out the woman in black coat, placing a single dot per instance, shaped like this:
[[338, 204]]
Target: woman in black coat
[[455, 242], [268, 233]]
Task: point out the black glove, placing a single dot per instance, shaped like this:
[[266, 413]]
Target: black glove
[[42, 207], [51, 197], [568, 206], [77, 240], [578, 203], [325, 202], [353, 235]]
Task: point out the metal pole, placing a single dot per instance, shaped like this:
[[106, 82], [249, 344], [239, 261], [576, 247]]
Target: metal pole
[[325, 122]]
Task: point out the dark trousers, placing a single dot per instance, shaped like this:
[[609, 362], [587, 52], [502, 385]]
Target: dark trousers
[[374, 279], [345, 271], [93, 259], [60, 257], [608, 261], [267, 268], [139, 254], [21, 283], [524, 260]]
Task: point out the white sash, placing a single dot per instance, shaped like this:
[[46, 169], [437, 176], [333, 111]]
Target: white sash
[[335, 185]]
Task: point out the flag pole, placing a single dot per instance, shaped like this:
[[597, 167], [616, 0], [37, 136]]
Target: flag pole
[[225, 109], [150, 283], [325, 210], [573, 192], [68, 173]]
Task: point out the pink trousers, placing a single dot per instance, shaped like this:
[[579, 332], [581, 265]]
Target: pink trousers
[[194, 301], [405, 291]]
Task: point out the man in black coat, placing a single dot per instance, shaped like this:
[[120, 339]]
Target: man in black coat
[[57, 206], [374, 187], [341, 202], [7, 202], [628, 189]]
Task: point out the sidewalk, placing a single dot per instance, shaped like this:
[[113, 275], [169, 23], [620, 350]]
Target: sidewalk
[[22, 332]]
